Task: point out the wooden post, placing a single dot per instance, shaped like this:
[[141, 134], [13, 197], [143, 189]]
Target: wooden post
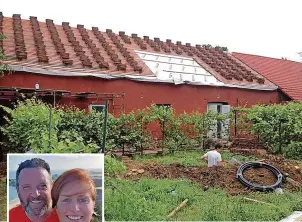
[[178, 208]]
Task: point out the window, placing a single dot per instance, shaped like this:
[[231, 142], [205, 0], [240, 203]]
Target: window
[[98, 108], [167, 106]]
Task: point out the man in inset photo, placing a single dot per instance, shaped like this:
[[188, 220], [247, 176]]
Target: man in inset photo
[[33, 186]]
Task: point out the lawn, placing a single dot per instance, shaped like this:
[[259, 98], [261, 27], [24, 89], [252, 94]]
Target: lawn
[[153, 199], [2, 201]]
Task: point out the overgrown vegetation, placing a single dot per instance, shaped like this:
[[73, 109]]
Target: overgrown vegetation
[[278, 126], [151, 199], [113, 166], [189, 158], [32, 124], [4, 68], [133, 131], [2, 200]]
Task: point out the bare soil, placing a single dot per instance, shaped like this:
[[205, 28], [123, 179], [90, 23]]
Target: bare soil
[[260, 176], [218, 177]]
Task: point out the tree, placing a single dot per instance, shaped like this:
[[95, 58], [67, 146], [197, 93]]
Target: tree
[[4, 68]]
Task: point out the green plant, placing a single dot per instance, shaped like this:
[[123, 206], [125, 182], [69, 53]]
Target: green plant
[[88, 126], [125, 132], [4, 68], [27, 123], [32, 124], [154, 199], [3, 193], [294, 150], [182, 157], [277, 125], [113, 166]]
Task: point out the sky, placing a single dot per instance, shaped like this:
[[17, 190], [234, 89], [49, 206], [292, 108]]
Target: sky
[[269, 28], [61, 161]]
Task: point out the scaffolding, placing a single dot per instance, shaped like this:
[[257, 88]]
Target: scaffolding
[[117, 100]]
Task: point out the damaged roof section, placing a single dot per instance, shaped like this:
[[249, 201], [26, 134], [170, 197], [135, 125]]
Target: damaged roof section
[[46, 45]]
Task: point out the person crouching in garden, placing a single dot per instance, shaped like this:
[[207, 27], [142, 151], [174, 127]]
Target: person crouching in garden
[[213, 157]]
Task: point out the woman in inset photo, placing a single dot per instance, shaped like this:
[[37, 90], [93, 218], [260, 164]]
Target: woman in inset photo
[[74, 196]]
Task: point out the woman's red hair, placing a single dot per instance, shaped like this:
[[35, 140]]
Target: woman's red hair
[[69, 176]]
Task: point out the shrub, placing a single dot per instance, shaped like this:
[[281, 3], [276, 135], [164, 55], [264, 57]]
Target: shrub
[[113, 166], [294, 150]]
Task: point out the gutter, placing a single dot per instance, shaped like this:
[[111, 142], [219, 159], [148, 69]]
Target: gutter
[[136, 78]]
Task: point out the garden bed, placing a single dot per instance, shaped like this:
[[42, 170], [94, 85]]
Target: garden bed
[[215, 177], [168, 167], [152, 186]]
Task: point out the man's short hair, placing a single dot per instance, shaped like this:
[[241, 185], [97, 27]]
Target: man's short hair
[[218, 145], [33, 163]]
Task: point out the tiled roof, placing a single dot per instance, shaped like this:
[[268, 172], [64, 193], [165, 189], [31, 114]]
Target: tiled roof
[[45, 45], [284, 73]]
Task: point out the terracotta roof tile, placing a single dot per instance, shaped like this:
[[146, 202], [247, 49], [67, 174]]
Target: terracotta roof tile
[[19, 37], [56, 40], [78, 49], [284, 73]]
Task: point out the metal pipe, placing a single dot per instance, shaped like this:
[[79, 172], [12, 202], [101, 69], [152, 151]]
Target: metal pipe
[[49, 127], [54, 99], [105, 126]]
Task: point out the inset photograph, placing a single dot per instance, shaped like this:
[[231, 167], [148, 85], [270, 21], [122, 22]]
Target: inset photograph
[[55, 187]]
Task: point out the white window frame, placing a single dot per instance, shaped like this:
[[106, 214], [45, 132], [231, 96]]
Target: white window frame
[[96, 105]]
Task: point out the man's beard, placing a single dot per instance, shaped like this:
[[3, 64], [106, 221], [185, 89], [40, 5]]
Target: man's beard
[[35, 212]]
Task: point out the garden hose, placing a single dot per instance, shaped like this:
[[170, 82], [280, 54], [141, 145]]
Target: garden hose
[[258, 187]]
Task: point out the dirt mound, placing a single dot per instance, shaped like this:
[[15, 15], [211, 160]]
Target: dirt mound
[[3, 169], [242, 143], [260, 176], [218, 177]]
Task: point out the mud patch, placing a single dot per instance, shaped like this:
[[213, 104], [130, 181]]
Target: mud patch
[[260, 176]]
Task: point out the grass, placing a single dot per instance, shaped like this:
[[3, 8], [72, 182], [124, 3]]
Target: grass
[[113, 166], [2, 201], [151, 199], [188, 158]]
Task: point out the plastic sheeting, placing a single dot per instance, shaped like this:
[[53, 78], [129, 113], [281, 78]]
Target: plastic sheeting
[[295, 217]]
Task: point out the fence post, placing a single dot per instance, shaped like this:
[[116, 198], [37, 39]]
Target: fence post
[[280, 134], [163, 141], [235, 123], [105, 126], [49, 127]]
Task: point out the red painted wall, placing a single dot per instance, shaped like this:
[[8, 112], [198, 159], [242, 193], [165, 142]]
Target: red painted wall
[[141, 94]]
